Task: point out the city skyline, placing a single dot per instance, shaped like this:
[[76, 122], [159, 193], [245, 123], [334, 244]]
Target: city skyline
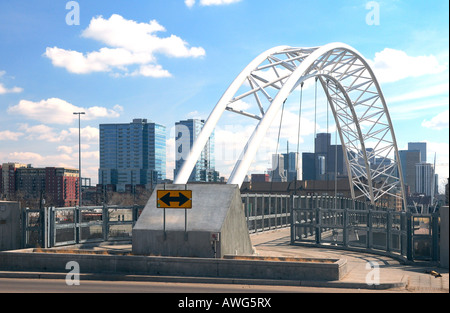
[[170, 61]]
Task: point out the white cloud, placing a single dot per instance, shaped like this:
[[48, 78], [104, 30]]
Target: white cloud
[[103, 60], [88, 135], [58, 111], [240, 105], [9, 135], [39, 160], [5, 90], [438, 122], [426, 92], [191, 3], [65, 149], [217, 2], [40, 132], [151, 70], [25, 157], [129, 44], [43, 132], [195, 115], [392, 65]]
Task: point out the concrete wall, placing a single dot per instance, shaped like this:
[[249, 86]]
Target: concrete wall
[[444, 237], [27, 260], [10, 228], [215, 209]]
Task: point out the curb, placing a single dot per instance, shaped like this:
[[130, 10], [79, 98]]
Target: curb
[[205, 280]]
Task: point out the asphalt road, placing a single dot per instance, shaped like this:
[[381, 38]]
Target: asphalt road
[[9, 285]]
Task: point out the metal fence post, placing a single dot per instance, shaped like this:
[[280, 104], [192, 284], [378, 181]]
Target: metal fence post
[[76, 223], [345, 230], [45, 227], [370, 232], [263, 220], [246, 212], [388, 231], [435, 236], [105, 218], [409, 237], [317, 210], [52, 228], [291, 218]]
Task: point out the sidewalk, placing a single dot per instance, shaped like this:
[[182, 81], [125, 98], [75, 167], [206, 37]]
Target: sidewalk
[[392, 273]]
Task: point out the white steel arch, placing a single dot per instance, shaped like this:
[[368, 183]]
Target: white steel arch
[[355, 97]]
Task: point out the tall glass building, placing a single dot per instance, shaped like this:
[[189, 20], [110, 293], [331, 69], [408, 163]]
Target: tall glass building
[[419, 146], [408, 160], [186, 132], [132, 154]]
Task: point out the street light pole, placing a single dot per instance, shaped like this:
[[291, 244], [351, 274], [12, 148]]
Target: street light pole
[[79, 155]]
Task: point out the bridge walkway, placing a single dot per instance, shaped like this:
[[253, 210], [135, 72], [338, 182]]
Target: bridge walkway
[[392, 273]]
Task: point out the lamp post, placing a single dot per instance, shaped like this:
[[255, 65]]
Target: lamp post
[[79, 155]]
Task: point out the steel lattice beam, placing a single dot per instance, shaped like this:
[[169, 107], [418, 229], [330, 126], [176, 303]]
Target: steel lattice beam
[[356, 100]]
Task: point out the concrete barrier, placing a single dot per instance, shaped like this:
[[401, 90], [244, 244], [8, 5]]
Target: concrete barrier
[[251, 268], [214, 227], [10, 226]]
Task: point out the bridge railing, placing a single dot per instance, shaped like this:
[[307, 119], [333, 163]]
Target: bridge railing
[[313, 220], [266, 212], [343, 223], [398, 234], [53, 227]]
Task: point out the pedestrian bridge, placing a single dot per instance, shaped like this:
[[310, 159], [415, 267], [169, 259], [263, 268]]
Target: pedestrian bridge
[[313, 221]]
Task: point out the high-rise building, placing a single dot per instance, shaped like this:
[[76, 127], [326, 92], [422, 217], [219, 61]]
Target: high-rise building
[[132, 154], [327, 161], [336, 163], [419, 146], [408, 160], [425, 179], [322, 143], [61, 186], [291, 165], [186, 133], [278, 172], [8, 184], [308, 166]]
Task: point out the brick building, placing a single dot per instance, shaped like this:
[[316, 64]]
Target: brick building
[[57, 185]]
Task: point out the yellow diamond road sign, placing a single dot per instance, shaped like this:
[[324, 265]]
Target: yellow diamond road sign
[[174, 199]]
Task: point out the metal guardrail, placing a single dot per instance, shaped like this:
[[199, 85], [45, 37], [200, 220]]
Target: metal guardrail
[[265, 212], [314, 220], [398, 234], [347, 224], [52, 227]]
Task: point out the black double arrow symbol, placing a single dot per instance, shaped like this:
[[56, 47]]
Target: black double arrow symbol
[[181, 199]]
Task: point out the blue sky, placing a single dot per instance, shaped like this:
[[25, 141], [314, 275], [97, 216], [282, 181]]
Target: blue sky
[[50, 67]]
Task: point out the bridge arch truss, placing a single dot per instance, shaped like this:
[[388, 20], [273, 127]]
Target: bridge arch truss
[[356, 101]]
